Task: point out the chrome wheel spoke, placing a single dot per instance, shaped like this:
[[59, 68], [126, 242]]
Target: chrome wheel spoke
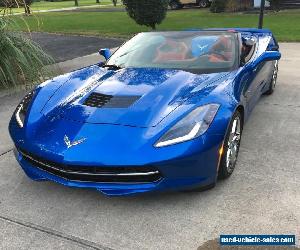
[[234, 125], [230, 139], [228, 158], [236, 137]]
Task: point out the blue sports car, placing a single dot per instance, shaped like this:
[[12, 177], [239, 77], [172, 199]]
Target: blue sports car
[[164, 112]]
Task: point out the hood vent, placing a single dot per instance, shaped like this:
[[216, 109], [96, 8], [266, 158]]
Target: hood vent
[[99, 100]]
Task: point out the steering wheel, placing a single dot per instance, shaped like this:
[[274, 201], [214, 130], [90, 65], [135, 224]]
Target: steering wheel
[[180, 52]]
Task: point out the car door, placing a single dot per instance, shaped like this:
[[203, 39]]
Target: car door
[[258, 75], [250, 90], [270, 65]]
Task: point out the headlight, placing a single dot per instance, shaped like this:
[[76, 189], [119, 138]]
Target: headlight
[[191, 126], [22, 108]]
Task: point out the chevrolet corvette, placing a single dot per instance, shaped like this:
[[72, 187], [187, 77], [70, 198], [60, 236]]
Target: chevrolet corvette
[[165, 111]]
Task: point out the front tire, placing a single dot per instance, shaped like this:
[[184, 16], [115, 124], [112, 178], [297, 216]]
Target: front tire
[[273, 80], [231, 146]]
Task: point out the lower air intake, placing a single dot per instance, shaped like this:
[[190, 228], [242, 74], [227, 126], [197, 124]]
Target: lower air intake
[[113, 174]]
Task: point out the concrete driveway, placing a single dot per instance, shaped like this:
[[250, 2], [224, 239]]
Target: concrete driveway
[[262, 196]]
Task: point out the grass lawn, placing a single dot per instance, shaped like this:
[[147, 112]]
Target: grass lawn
[[45, 5], [285, 24]]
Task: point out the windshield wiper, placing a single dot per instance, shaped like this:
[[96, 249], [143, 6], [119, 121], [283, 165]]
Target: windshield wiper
[[112, 66]]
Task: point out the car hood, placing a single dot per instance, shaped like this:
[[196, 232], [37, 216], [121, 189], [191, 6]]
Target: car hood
[[137, 97]]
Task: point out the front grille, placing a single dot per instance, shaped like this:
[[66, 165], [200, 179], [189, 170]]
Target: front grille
[[131, 174], [99, 100]]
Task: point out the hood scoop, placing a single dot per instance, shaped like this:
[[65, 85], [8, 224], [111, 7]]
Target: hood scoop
[[98, 100], [134, 97]]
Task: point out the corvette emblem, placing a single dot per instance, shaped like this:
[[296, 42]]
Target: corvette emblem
[[202, 47], [74, 143]]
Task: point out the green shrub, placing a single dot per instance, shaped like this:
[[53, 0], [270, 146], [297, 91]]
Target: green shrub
[[12, 3], [232, 6], [147, 12], [238, 5], [7, 4], [218, 6], [21, 60]]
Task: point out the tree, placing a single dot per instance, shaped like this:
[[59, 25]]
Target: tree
[[218, 6], [115, 2], [230, 5], [238, 5], [76, 3], [147, 12], [27, 4], [275, 4]]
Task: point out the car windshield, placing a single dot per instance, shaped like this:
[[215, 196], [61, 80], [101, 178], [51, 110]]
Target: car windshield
[[198, 52]]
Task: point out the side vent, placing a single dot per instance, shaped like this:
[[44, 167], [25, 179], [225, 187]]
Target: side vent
[[99, 100]]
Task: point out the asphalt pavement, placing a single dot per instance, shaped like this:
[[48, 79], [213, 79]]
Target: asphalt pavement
[[261, 197], [67, 47]]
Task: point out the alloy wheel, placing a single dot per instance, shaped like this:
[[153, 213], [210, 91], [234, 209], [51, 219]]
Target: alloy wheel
[[203, 3], [275, 74], [233, 144]]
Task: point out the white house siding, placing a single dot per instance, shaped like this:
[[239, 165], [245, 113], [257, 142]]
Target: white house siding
[[257, 3]]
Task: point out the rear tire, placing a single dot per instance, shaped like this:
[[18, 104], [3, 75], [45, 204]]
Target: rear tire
[[231, 146], [273, 80], [203, 3]]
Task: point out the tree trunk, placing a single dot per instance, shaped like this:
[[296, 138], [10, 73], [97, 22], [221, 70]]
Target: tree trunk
[[76, 3], [27, 9], [97, 1]]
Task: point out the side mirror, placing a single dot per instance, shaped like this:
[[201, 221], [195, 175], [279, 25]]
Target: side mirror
[[105, 52]]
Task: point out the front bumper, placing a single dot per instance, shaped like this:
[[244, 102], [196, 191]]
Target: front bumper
[[182, 166], [180, 174]]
